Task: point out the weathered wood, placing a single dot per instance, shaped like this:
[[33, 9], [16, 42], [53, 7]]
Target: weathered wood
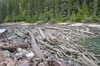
[[76, 60], [89, 61], [20, 34], [43, 64], [92, 56], [51, 39], [83, 61], [87, 32], [57, 28], [56, 50], [36, 48], [97, 55], [81, 56], [55, 63], [14, 47], [47, 38], [42, 34], [47, 45]]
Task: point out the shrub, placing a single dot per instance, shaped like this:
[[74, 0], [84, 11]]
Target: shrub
[[6, 19]]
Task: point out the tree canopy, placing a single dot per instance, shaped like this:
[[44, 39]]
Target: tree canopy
[[49, 10]]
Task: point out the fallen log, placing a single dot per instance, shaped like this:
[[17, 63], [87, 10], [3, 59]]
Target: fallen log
[[85, 60], [87, 32], [50, 38], [47, 45], [14, 47], [76, 60], [89, 61], [56, 63], [36, 48], [97, 55], [20, 34], [42, 34], [92, 56], [57, 28], [56, 50]]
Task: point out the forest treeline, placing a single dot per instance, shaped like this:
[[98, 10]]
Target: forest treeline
[[49, 10]]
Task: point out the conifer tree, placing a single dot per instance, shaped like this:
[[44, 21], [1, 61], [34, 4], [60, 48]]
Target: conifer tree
[[48, 10]]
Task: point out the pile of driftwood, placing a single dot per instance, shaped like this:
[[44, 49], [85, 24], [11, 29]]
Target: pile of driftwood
[[45, 45]]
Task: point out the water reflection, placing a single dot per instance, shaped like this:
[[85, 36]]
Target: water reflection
[[92, 43]]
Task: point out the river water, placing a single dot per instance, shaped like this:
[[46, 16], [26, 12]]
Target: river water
[[91, 43]]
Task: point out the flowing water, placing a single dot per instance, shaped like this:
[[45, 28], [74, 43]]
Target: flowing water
[[92, 43]]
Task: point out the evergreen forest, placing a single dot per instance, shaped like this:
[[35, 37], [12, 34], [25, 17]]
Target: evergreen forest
[[50, 10]]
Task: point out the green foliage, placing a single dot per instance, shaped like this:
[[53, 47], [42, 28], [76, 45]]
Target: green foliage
[[79, 17], [91, 43], [52, 20], [49, 10], [21, 18], [29, 19], [95, 19], [73, 17], [6, 19]]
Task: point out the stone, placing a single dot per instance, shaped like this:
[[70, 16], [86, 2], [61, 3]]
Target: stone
[[20, 50], [30, 55], [19, 55], [12, 37], [6, 53], [23, 53], [2, 31]]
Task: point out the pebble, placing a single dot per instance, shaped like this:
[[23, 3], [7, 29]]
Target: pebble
[[12, 37], [6, 53], [20, 50], [23, 53], [30, 55], [19, 55]]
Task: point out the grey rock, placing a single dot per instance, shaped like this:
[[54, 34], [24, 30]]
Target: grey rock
[[7, 53], [19, 55], [2, 31]]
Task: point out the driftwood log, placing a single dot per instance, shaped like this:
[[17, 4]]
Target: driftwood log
[[36, 48], [55, 45], [13, 47]]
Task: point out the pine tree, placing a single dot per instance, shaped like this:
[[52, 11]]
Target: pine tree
[[48, 10]]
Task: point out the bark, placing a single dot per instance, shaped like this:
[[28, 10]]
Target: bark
[[14, 47], [36, 48]]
